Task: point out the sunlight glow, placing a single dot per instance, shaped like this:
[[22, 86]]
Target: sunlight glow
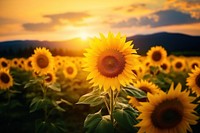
[[83, 35]]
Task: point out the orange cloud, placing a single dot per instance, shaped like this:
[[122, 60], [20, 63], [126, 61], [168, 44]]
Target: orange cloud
[[56, 20], [190, 6]]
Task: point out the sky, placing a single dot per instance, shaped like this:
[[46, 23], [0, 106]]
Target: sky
[[66, 19]]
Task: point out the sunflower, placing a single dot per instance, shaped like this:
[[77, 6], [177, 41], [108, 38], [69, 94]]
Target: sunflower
[[193, 63], [193, 81], [42, 61], [139, 71], [6, 80], [50, 78], [166, 66], [110, 62], [170, 112], [14, 62], [70, 70], [157, 55], [28, 64], [145, 86], [21, 63], [4, 63], [179, 64]]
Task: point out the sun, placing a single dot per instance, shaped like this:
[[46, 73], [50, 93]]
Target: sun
[[84, 35]]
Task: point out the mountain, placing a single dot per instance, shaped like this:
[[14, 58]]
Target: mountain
[[174, 43]]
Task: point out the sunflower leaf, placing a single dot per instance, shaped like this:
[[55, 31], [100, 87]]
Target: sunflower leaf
[[135, 92], [93, 98], [96, 123], [126, 118], [39, 103]]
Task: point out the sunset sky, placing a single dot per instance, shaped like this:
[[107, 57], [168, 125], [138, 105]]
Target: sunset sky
[[66, 19]]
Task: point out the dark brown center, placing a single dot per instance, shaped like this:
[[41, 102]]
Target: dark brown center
[[111, 63], [168, 114], [178, 65], [49, 78], [4, 64], [29, 64], [70, 70], [164, 66], [194, 64], [156, 56], [4, 78], [197, 80], [42, 61], [15, 62]]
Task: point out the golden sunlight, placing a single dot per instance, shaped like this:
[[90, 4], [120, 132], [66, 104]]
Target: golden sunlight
[[83, 35]]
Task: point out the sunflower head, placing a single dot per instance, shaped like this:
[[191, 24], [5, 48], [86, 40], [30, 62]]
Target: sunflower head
[[179, 64], [166, 66], [147, 87], [4, 63], [70, 70], [193, 81], [167, 112], [193, 63], [157, 55], [42, 61], [110, 61], [6, 80], [50, 78]]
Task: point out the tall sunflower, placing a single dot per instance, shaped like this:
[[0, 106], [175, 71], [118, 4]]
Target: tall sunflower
[[42, 61], [193, 81], [6, 80], [28, 64], [145, 86], [157, 55], [70, 70], [14, 62], [110, 62], [170, 112]]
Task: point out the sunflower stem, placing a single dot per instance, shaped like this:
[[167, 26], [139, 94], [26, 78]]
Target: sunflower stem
[[106, 103], [111, 105]]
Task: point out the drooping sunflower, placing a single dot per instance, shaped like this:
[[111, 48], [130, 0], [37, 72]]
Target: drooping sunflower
[[157, 55], [193, 81], [6, 80], [42, 61], [170, 112], [178, 64], [145, 86], [70, 70], [4, 63], [110, 62], [50, 78], [166, 66]]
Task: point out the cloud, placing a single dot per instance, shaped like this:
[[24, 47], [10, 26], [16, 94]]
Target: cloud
[[69, 18], [158, 19], [190, 6], [131, 8]]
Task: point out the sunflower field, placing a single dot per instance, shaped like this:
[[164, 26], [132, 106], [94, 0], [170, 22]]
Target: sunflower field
[[110, 89]]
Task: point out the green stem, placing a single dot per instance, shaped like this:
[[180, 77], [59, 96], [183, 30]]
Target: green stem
[[44, 90], [111, 105]]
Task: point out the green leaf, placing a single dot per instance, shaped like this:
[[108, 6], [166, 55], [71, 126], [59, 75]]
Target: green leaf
[[135, 92], [55, 87], [126, 118], [39, 103], [96, 123], [93, 98], [50, 127]]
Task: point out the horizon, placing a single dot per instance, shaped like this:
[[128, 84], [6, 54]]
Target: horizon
[[87, 38], [64, 20]]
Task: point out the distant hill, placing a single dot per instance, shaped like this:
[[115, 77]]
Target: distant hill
[[174, 43]]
